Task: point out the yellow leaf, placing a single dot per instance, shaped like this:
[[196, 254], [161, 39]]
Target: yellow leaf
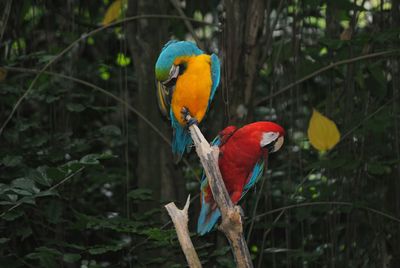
[[113, 12], [322, 132], [3, 74]]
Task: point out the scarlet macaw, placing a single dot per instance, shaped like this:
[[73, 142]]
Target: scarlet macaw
[[187, 78], [242, 158]]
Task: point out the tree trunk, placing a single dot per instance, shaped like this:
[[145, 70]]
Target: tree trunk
[[395, 189], [155, 168], [242, 32]]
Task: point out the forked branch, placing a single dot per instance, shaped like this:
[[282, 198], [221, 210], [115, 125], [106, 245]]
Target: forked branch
[[180, 220]]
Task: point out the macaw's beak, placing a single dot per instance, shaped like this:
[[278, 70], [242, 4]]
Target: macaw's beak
[[275, 145], [272, 141], [165, 89], [278, 144]]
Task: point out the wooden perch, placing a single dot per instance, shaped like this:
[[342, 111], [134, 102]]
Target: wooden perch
[[231, 224], [180, 220]]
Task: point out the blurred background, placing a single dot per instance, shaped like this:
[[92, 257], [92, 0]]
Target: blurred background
[[85, 160]]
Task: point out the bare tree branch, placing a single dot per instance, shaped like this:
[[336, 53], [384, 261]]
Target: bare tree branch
[[335, 203], [180, 219], [231, 224]]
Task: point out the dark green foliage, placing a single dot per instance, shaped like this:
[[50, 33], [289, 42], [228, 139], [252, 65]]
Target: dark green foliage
[[69, 194]]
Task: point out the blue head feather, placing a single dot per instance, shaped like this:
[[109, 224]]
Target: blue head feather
[[170, 52]]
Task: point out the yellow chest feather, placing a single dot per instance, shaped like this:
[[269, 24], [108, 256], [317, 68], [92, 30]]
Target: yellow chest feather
[[193, 87]]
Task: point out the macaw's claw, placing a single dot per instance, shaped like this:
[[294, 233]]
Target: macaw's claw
[[185, 113], [188, 118], [192, 121]]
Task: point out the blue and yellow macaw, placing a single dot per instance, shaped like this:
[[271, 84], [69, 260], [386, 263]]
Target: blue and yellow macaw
[[187, 78]]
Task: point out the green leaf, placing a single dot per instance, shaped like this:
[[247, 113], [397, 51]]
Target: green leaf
[[378, 169], [4, 188], [21, 192], [39, 175], [25, 184], [12, 197], [110, 130], [12, 215], [27, 200], [47, 257], [93, 159], [46, 58], [140, 194], [12, 160], [55, 174], [123, 60], [101, 249], [38, 141], [71, 166], [46, 193], [4, 240], [71, 246], [162, 237], [71, 257], [116, 224], [75, 107], [23, 125], [45, 250], [50, 99], [90, 159]]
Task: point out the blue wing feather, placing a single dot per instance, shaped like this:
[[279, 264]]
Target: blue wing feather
[[208, 217], [215, 75], [216, 141], [255, 176]]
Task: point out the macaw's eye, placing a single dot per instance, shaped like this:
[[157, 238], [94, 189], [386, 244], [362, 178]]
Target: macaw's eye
[[182, 68], [270, 146]]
